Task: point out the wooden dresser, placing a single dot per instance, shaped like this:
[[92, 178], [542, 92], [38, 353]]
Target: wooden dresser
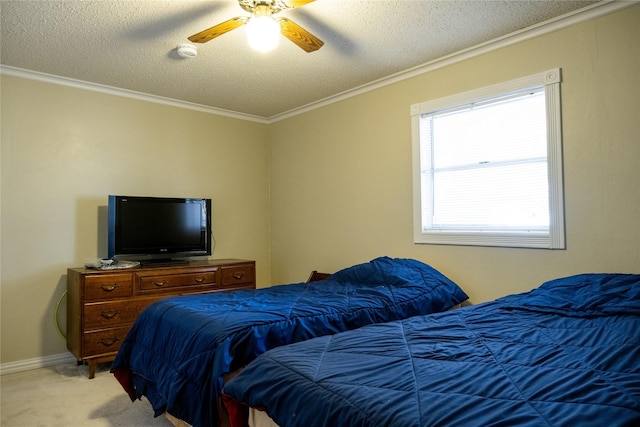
[[102, 304]]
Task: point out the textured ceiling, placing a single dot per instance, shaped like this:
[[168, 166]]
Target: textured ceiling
[[132, 45]]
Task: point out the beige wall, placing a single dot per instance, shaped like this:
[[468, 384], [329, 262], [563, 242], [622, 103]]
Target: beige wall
[[64, 150], [341, 175]]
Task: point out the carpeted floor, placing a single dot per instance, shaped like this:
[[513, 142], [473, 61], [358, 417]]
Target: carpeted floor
[[63, 396]]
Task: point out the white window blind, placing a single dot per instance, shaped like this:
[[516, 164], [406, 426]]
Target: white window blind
[[489, 165], [487, 168]]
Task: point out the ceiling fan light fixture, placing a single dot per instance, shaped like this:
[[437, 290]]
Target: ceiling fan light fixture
[[263, 32]]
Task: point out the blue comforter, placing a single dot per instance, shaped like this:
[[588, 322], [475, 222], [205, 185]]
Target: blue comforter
[[179, 349], [565, 354]]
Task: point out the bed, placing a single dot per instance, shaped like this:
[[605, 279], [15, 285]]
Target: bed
[[180, 349], [564, 354]]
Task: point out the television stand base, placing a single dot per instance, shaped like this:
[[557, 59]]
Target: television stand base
[[163, 262]]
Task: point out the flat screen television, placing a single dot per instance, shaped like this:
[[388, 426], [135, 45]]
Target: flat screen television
[[158, 230]]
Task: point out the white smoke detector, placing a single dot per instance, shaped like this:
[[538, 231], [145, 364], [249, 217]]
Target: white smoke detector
[[187, 50]]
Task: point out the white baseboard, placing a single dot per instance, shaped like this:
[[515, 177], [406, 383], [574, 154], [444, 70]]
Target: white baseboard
[[35, 363]]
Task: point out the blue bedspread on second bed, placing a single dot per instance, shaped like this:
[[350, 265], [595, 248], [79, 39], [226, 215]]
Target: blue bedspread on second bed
[[565, 354], [179, 348]]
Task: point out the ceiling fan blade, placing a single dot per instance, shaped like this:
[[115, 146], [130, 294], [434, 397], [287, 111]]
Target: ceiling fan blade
[[218, 30], [290, 4], [303, 38]]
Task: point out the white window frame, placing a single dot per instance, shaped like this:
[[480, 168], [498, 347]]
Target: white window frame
[[554, 238]]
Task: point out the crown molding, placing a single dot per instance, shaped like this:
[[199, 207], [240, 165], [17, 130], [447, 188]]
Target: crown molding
[[110, 90], [558, 23], [564, 21]]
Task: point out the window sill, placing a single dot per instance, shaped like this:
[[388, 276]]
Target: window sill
[[535, 240]]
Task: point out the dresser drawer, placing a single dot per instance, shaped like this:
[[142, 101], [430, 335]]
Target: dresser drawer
[[100, 315], [103, 304], [237, 275], [103, 341], [104, 286], [172, 281]]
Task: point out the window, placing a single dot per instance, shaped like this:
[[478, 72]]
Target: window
[[487, 166]]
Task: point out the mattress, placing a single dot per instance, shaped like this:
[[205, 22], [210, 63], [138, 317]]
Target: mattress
[[564, 354], [179, 349]]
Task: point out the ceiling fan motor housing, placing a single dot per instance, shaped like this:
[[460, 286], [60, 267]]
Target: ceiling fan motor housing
[[260, 9]]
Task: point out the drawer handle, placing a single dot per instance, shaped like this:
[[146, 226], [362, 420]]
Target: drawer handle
[[110, 314], [237, 276], [108, 287], [160, 283], [199, 279], [107, 342]]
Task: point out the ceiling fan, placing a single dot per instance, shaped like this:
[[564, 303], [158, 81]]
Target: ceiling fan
[[263, 21]]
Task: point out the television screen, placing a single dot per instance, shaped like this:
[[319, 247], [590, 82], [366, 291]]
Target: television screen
[[150, 227]]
